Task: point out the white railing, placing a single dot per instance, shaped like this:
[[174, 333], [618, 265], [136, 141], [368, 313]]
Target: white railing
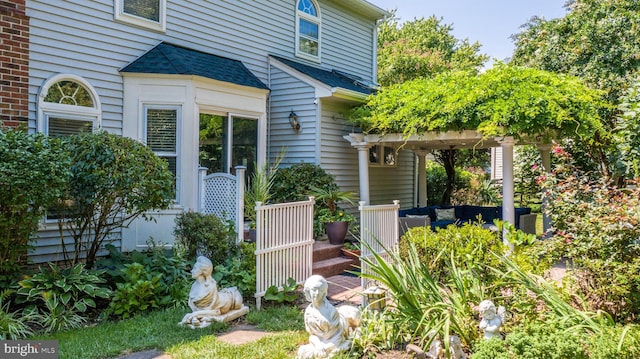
[[379, 229], [222, 194], [284, 244]]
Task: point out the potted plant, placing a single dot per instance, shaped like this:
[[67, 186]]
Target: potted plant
[[330, 214], [351, 249]]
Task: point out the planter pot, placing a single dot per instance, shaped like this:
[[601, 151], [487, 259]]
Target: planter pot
[[336, 231], [350, 253]]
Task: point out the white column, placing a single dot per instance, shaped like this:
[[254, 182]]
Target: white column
[[202, 172], [422, 177], [508, 209], [545, 154], [363, 170]]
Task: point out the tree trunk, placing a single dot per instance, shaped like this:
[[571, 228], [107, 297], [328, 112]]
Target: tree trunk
[[448, 159]]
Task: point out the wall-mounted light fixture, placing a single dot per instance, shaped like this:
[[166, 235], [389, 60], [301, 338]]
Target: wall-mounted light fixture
[[293, 121]]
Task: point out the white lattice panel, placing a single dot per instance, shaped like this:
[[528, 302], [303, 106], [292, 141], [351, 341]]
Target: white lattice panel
[[221, 195]]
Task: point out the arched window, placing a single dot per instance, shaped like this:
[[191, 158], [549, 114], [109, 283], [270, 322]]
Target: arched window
[[67, 105], [308, 30]]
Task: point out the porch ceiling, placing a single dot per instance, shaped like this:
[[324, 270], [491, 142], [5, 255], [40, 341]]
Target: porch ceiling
[[437, 140]]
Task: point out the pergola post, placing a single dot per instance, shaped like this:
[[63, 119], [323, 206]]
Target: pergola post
[[358, 142], [422, 177], [545, 155], [508, 206]]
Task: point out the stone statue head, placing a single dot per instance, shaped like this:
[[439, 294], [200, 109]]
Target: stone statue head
[[487, 309], [315, 288], [203, 266]]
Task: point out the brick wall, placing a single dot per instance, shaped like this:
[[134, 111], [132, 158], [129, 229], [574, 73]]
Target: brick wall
[[14, 63]]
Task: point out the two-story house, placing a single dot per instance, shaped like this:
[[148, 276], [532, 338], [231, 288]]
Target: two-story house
[[266, 75]]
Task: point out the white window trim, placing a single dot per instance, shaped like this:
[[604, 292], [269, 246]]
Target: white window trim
[[121, 16], [178, 154], [380, 150], [316, 20], [48, 109]]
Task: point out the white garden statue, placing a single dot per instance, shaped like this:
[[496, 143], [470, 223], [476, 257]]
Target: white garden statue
[[329, 328], [207, 302], [491, 319]]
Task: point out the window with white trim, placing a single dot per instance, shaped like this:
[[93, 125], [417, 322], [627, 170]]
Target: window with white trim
[[67, 105], [382, 156], [308, 30], [150, 14], [161, 135]]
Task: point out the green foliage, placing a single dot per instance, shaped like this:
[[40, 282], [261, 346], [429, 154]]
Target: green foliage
[[259, 188], [13, 325], [422, 48], [627, 134], [597, 41], [204, 234], [470, 246], [62, 296], [534, 341], [142, 280], [597, 228], [377, 332], [426, 304], [288, 294], [33, 172], [239, 270], [469, 187], [295, 183], [617, 342], [526, 170], [138, 292], [114, 180], [503, 101]]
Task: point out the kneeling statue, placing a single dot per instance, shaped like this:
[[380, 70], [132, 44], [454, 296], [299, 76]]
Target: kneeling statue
[[207, 303], [329, 328]]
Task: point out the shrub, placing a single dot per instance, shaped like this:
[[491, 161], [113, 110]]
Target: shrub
[[114, 180], [143, 280], [597, 226], [204, 234], [62, 296], [239, 270], [296, 183], [13, 325], [33, 172], [469, 187]]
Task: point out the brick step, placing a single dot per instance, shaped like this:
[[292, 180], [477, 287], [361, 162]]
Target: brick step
[[323, 250], [334, 266]]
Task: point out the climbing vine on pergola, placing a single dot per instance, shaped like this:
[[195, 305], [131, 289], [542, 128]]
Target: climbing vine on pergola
[[503, 101]]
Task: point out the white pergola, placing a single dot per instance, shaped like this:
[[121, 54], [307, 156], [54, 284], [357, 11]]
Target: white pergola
[[427, 142]]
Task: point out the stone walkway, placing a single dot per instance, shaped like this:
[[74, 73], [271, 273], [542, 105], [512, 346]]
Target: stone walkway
[[343, 289]]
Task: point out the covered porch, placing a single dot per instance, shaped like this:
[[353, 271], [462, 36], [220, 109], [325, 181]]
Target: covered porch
[[427, 142]]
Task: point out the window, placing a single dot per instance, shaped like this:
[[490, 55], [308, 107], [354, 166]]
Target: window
[[145, 13], [67, 105], [227, 141], [382, 156], [161, 134], [308, 30]]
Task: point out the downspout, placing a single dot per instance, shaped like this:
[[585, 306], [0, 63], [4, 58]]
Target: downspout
[[268, 115]]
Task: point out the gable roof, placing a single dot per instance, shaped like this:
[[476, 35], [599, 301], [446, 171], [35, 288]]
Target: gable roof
[[331, 78], [171, 59]]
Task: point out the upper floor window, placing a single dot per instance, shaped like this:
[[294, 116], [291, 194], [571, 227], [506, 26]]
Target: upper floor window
[[144, 13], [308, 30]]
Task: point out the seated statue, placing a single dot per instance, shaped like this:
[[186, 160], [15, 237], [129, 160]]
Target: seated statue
[[207, 302], [329, 328], [491, 319]]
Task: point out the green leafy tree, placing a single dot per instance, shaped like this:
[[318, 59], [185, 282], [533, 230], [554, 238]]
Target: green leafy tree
[[424, 48], [598, 41], [33, 173], [114, 180]]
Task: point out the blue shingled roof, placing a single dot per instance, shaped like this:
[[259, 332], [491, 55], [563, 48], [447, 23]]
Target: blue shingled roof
[[167, 58], [332, 78]]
